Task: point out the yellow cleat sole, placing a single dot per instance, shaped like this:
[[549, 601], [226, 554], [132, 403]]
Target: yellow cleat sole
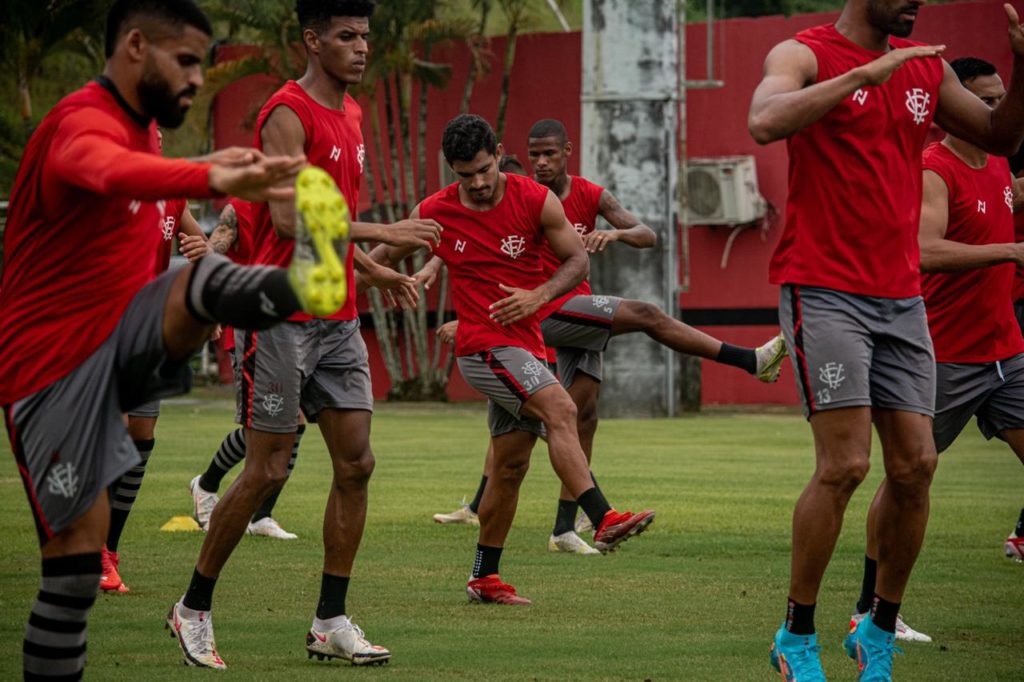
[[317, 270]]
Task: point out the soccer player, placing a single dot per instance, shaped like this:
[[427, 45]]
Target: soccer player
[[496, 226], [580, 324], [316, 364], [969, 256], [85, 194], [854, 100]]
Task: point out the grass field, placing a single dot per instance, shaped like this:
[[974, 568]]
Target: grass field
[[696, 598]]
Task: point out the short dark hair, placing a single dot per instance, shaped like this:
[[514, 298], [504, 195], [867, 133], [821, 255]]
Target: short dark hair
[[969, 68], [510, 164], [465, 136], [549, 127], [175, 14], [316, 14]]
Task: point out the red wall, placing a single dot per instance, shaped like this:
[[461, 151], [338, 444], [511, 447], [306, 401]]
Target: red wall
[[546, 83]]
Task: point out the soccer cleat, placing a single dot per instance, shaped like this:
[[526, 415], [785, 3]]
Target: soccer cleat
[[110, 578], [463, 515], [347, 642], [583, 524], [570, 543], [270, 528], [617, 527], [490, 590], [903, 631], [872, 648], [203, 503], [769, 359], [795, 657], [195, 637], [1014, 548], [317, 270]]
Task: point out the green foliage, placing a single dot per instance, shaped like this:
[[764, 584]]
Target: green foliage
[[696, 598]]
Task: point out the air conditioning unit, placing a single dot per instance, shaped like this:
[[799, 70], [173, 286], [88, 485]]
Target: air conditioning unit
[[723, 191]]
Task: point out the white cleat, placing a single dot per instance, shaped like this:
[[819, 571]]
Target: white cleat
[[463, 515], [769, 359], [904, 632], [1014, 548], [583, 525], [195, 637], [570, 543], [346, 642], [270, 528], [202, 503]]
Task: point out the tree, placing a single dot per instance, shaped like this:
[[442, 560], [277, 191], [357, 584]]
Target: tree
[[517, 13]]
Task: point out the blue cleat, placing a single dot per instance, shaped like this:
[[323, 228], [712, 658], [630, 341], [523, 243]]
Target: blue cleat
[[872, 648], [796, 657]]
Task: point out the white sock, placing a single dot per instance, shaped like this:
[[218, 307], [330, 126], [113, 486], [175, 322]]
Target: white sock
[[331, 624]]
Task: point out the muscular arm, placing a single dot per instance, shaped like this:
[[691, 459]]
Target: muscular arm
[[628, 228], [226, 231], [939, 254], [566, 245], [282, 133]]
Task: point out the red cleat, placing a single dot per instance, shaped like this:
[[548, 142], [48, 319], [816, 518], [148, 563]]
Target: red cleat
[[618, 527], [1014, 548], [490, 590], [110, 579]]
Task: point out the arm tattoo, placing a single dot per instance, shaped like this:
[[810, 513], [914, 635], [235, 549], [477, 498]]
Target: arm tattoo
[[226, 232]]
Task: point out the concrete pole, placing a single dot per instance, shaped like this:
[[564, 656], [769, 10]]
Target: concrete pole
[[631, 56]]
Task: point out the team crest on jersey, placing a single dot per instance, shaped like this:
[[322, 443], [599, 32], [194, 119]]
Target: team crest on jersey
[[513, 246], [1008, 197], [917, 103], [581, 229], [168, 228], [62, 480], [361, 157]]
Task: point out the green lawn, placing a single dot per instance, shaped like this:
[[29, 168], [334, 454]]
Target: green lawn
[[696, 598]]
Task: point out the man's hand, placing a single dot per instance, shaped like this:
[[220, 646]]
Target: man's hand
[[399, 290], [271, 178], [596, 241], [446, 332], [414, 233], [881, 70], [520, 304], [428, 275], [218, 331], [233, 157], [1016, 31], [192, 246]]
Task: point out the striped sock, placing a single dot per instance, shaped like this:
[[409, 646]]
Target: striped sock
[[267, 508], [123, 494], [54, 647], [230, 453]]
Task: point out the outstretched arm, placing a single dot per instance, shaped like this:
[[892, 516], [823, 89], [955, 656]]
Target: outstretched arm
[[627, 227]]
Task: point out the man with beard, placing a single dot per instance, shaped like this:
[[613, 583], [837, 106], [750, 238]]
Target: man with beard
[[82, 344], [854, 100], [318, 364]]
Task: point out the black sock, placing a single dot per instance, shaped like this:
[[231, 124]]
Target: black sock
[[266, 509], [55, 639], [884, 613], [123, 493], [333, 590], [565, 519], [800, 618], [867, 588], [744, 358], [199, 596], [487, 560], [248, 297], [230, 453], [474, 506], [1019, 531], [594, 505]]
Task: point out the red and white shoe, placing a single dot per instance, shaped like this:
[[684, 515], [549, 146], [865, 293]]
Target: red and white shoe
[[617, 527], [110, 579], [346, 642], [1014, 548], [490, 590], [195, 637]]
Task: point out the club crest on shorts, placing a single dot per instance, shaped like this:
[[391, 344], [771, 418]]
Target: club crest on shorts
[[513, 246], [273, 403], [917, 102], [62, 480], [532, 371], [833, 374]]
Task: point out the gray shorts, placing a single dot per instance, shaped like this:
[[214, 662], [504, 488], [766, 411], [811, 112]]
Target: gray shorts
[[993, 392], [69, 439], [312, 366], [579, 331], [149, 410], [858, 351], [508, 376]]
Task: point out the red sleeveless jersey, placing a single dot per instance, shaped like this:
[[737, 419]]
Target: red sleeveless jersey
[[855, 178], [82, 234], [334, 142], [970, 312], [581, 209], [169, 228], [484, 249]]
